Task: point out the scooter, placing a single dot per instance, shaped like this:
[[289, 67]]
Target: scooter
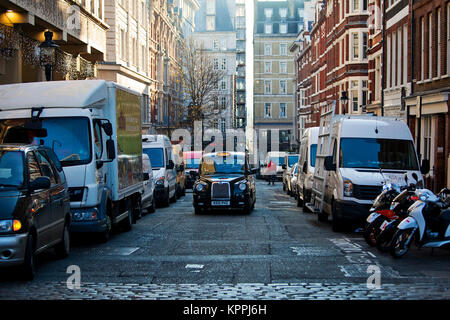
[[428, 221], [382, 212], [399, 211]]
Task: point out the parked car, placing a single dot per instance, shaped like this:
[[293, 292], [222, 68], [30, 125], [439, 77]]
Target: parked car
[[289, 161], [148, 198], [292, 183], [306, 163], [180, 170], [365, 152], [35, 203], [278, 158], [191, 162], [226, 181], [159, 150]]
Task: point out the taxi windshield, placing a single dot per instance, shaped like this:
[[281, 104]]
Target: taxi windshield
[[226, 164]]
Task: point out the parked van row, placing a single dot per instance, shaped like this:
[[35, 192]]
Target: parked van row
[[80, 165], [342, 168]]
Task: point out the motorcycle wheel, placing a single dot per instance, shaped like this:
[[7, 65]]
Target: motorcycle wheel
[[372, 231], [398, 245], [385, 238]]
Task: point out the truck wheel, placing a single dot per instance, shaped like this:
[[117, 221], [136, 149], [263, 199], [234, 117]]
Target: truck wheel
[[336, 224], [62, 249], [29, 267], [151, 209], [128, 222]]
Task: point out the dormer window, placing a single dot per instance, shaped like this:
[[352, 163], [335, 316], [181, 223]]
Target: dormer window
[[283, 13], [268, 13]]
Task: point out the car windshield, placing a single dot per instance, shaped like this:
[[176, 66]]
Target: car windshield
[[313, 151], [278, 160], [292, 160], [192, 163], [214, 164], [68, 136], [156, 156], [11, 169], [377, 153]]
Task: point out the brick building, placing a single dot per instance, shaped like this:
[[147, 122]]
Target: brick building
[[428, 104]]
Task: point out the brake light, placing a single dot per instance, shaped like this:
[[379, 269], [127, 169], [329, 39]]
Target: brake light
[[387, 213], [414, 198]]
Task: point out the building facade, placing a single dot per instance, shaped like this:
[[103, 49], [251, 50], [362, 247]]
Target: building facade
[[276, 26], [427, 106], [215, 30], [78, 27]]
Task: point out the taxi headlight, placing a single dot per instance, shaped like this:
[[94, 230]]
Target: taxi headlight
[[242, 186], [200, 187]]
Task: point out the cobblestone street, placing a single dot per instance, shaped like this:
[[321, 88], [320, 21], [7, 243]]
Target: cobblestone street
[[276, 252]]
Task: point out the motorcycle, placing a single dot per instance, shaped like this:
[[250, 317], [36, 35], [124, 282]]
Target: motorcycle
[[382, 211], [399, 211], [428, 222]]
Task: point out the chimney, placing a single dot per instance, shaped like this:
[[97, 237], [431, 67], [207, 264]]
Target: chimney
[[291, 5]]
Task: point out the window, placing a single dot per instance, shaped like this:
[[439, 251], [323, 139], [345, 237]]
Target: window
[[399, 57], [223, 101], [378, 78], [364, 48], [426, 137], [438, 55], [283, 110], [98, 144], [216, 85], [211, 7], [267, 110], [122, 44], [224, 64], [364, 92], [268, 28], [216, 64], [267, 86], [223, 85], [355, 5], [405, 54], [268, 67], [448, 38], [283, 67], [354, 93], [33, 167], [430, 47], [283, 12], [268, 49], [240, 11], [210, 23], [283, 87], [216, 44], [46, 167], [223, 44], [283, 49], [268, 13], [355, 39], [422, 50], [223, 125], [394, 59], [283, 28]]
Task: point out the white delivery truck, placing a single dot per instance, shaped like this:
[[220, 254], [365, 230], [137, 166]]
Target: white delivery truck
[[356, 155], [94, 127]]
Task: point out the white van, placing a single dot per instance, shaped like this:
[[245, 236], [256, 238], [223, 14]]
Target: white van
[[278, 158], [306, 163], [148, 199], [159, 150], [365, 153]]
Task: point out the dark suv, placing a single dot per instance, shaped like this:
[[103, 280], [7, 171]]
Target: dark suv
[[35, 204]]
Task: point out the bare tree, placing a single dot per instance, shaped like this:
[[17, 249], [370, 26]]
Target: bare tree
[[200, 80]]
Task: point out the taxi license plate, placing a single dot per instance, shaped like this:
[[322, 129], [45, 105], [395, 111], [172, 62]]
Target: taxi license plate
[[383, 226], [220, 203]]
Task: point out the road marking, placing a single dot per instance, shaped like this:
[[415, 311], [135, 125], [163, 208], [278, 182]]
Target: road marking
[[194, 266]]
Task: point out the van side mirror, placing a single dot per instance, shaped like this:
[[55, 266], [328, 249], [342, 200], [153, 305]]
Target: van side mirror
[[107, 127], [425, 167], [329, 165], [146, 176], [171, 165], [283, 166], [110, 149], [40, 183]]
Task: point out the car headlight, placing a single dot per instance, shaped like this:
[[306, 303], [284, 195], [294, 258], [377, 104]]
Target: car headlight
[[84, 215], [242, 186], [10, 225], [200, 187], [348, 187]]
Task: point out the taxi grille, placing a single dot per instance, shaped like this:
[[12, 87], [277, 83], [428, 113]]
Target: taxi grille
[[220, 190]]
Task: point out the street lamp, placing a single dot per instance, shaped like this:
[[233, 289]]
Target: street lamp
[[47, 54], [344, 100]]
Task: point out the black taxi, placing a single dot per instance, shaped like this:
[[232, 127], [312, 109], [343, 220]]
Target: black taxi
[[225, 181]]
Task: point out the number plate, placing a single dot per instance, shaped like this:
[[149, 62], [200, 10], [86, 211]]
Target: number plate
[[384, 225], [220, 203]]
